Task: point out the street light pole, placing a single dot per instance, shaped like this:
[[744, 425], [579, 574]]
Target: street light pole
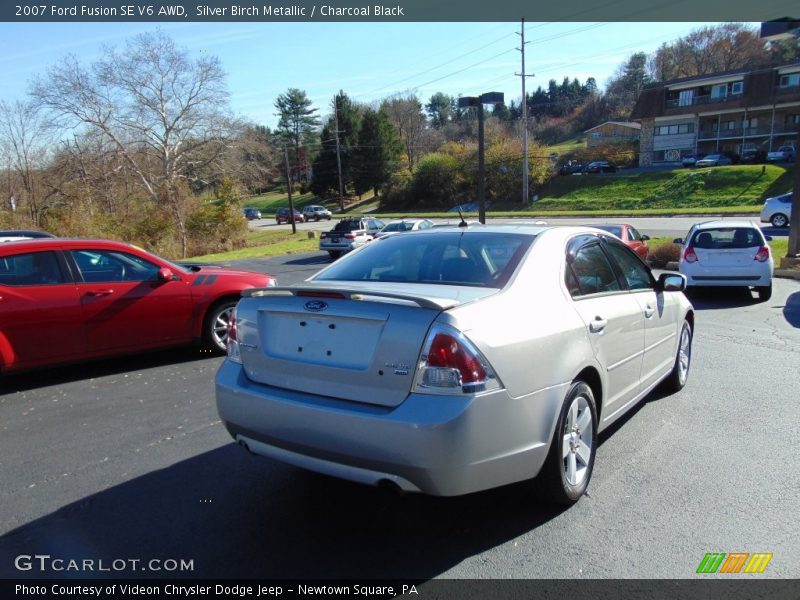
[[478, 102]]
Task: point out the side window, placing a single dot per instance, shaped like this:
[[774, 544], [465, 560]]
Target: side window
[[634, 235], [102, 266], [636, 274], [36, 268], [592, 271]]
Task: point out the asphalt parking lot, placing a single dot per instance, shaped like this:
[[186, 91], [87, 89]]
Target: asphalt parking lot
[[126, 459]]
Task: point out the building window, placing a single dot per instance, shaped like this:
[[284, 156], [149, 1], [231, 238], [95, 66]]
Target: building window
[[750, 123], [719, 92], [792, 119], [737, 87], [790, 80], [685, 98]]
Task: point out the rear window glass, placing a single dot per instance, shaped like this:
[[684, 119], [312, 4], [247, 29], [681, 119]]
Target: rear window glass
[[612, 229], [480, 259], [347, 225], [727, 237]]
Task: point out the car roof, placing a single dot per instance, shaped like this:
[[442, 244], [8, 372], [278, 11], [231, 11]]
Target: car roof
[[725, 224], [54, 243]]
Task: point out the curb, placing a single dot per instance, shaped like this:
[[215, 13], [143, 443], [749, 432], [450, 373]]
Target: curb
[[782, 273]]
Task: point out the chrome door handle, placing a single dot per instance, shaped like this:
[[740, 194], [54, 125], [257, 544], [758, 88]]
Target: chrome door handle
[[597, 325], [648, 311]]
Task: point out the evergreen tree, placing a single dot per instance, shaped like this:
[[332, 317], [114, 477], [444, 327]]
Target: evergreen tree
[[379, 148], [439, 109], [297, 125]]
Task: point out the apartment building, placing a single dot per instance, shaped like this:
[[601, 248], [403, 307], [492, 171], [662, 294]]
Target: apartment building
[[729, 112]]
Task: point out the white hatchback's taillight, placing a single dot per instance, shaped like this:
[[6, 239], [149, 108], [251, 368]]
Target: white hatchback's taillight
[[233, 340], [690, 255], [763, 254], [450, 364]]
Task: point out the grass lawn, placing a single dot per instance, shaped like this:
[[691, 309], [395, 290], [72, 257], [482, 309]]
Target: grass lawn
[[267, 243], [269, 202], [668, 189], [576, 142]]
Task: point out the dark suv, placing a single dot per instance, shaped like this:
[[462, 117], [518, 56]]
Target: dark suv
[[282, 216], [349, 234]]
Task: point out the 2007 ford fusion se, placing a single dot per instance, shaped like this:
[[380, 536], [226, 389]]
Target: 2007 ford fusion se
[[454, 360]]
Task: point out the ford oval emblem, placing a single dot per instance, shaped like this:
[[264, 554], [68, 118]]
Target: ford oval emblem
[[316, 305]]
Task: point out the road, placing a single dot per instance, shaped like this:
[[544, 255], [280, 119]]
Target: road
[[652, 226], [127, 460]]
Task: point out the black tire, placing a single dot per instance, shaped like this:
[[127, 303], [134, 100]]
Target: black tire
[[764, 292], [677, 378], [779, 220], [214, 338], [553, 483]]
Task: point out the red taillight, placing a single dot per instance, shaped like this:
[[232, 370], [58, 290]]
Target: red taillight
[[690, 255], [763, 254], [349, 236], [446, 352]]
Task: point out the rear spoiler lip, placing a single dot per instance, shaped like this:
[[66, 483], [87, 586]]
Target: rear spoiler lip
[[351, 294]]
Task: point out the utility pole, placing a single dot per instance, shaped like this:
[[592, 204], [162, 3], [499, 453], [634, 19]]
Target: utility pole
[[289, 189], [338, 157], [523, 75]]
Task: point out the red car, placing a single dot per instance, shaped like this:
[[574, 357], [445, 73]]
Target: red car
[[70, 300], [282, 216], [628, 234]]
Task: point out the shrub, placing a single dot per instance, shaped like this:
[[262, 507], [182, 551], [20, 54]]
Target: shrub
[[663, 254]]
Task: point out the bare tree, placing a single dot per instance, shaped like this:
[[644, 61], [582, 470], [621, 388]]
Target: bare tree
[[164, 112], [26, 141], [405, 113]]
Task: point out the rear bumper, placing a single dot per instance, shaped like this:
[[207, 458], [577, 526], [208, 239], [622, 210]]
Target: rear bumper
[[433, 444], [728, 277]]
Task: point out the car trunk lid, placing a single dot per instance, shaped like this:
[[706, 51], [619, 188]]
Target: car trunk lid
[[353, 343]]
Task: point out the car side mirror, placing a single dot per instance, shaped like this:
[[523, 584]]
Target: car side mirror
[[678, 241], [768, 238], [165, 274], [671, 282], [645, 238]]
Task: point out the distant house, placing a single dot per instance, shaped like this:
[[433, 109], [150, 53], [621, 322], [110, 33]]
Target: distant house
[[612, 131], [719, 113]]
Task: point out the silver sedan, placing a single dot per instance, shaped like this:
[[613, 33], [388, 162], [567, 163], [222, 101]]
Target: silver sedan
[[449, 361]]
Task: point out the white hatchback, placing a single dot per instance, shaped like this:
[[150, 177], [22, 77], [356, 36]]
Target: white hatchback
[[727, 253]]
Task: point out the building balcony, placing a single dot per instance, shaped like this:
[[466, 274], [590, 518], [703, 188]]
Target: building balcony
[[702, 100]]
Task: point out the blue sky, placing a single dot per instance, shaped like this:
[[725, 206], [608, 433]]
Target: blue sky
[[369, 61]]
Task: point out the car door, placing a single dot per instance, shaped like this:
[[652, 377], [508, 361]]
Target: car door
[[126, 306], [660, 312], [613, 318], [42, 322], [637, 242]]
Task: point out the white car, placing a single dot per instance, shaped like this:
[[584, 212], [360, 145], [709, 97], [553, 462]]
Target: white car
[[777, 210], [785, 153], [713, 160], [316, 212], [404, 225], [727, 253]]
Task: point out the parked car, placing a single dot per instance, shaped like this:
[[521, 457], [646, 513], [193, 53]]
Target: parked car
[[316, 212], [629, 235], [251, 213], [67, 300], [349, 234], [713, 160], [690, 160], [282, 216], [786, 153], [601, 166], [15, 235], [727, 253], [572, 167], [754, 157], [777, 210], [404, 225], [454, 360]]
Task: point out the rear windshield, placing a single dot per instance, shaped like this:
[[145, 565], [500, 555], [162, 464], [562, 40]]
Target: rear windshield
[[474, 258], [398, 227], [612, 229], [727, 237], [347, 226]]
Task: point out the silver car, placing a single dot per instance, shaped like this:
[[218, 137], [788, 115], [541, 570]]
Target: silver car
[[449, 361]]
